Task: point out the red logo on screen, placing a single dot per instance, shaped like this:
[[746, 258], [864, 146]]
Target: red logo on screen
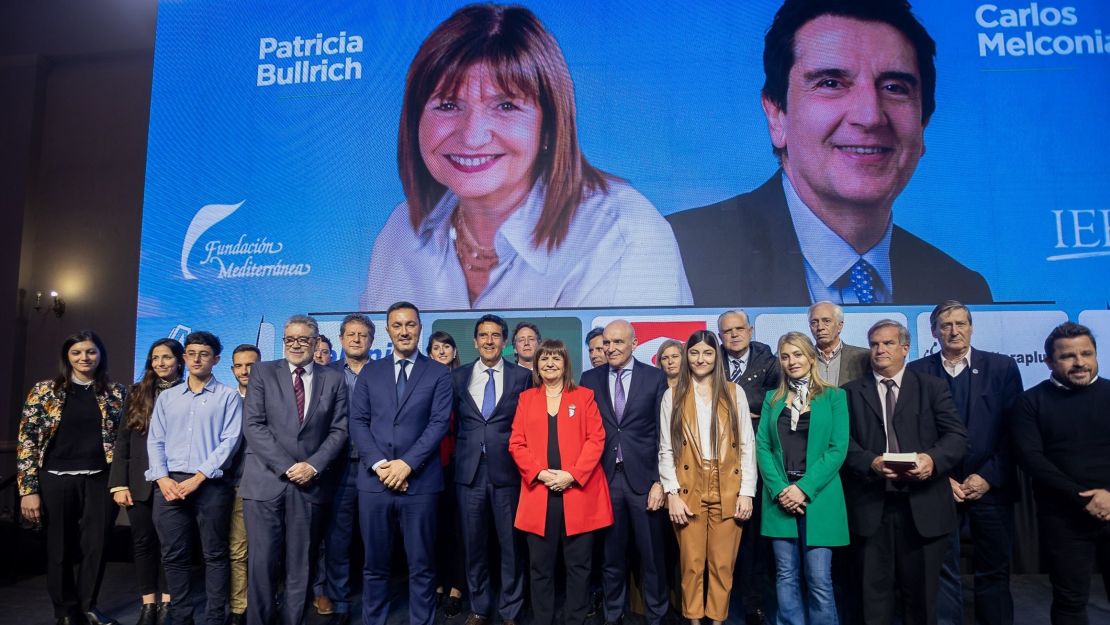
[[650, 334]]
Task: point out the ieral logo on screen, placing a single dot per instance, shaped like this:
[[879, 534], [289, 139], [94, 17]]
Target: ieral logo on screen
[[1081, 233], [303, 60], [242, 257], [1024, 31]]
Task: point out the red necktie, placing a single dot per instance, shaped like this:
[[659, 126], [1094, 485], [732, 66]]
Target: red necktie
[[298, 391]]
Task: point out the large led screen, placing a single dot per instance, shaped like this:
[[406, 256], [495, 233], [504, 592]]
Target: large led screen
[[586, 160]]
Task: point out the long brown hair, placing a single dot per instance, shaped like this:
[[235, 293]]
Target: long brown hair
[[720, 389], [141, 396], [524, 60], [817, 384]]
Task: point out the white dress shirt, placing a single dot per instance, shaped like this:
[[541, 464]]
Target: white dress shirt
[[954, 369], [479, 378], [306, 378], [706, 419], [897, 377]]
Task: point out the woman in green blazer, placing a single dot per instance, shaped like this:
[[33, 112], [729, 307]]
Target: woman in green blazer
[[801, 443]]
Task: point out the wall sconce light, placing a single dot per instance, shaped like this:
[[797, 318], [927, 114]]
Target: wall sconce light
[[59, 305]]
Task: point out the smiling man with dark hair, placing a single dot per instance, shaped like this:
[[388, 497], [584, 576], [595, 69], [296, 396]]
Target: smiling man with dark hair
[[850, 86]]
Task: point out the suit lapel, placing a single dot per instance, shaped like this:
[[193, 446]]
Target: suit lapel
[[870, 392], [465, 387], [638, 377], [285, 387], [509, 376], [775, 265], [317, 392], [605, 402], [907, 397], [419, 364]]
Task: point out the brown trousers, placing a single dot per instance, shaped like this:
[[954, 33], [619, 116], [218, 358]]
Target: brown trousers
[[237, 547], [711, 539]]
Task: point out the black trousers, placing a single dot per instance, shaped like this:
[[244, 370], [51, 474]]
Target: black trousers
[[753, 564], [78, 516], [896, 556], [146, 549], [208, 509], [543, 552], [1071, 544]]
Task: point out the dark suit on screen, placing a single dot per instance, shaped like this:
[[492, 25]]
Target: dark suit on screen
[[754, 231], [991, 384], [637, 435], [410, 428], [901, 530], [488, 486], [284, 521]]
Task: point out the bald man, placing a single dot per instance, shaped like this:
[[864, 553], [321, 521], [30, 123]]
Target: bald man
[[628, 393]]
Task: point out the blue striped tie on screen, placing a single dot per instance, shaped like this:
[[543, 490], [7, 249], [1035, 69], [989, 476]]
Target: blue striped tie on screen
[[862, 280]]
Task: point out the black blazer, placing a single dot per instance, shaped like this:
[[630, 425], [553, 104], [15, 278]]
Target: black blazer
[[995, 384], [638, 432], [473, 430], [926, 421], [754, 233], [130, 462], [760, 375]]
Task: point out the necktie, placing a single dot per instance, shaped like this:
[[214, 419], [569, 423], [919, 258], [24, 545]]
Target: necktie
[[618, 407], [862, 280], [489, 396], [402, 380], [891, 437], [737, 370], [298, 392]]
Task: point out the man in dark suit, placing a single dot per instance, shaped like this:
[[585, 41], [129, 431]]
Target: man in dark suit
[[400, 411], [295, 417], [900, 516], [488, 482], [983, 385], [753, 366], [848, 132], [838, 362], [628, 393]]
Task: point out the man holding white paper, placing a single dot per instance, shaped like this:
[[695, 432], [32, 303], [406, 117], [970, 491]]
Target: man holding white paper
[[900, 516]]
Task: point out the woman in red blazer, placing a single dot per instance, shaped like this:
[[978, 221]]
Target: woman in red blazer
[[556, 442]]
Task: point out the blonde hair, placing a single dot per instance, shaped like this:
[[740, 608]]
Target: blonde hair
[[817, 384]]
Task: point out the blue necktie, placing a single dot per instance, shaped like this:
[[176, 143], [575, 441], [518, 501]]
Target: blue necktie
[[862, 280], [489, 397], [402, 380]]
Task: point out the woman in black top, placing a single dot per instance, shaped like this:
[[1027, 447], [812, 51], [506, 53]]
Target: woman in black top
[[67, 435], [165, 364]]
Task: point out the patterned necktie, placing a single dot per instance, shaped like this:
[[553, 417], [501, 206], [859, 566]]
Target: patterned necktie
[[402, 380], [618, 406], [489, 396], [891, 437], [737, 369], [862, 280], [298, 392]]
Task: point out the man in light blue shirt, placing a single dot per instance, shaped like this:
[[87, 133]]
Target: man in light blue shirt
[[194, 431]]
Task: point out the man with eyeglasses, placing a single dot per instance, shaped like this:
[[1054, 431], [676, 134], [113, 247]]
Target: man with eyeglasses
[[333, 579], [400, 411], [295, 425], [194, 431]]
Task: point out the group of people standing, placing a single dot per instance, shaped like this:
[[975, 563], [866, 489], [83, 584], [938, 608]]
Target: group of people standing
[[823, 444]]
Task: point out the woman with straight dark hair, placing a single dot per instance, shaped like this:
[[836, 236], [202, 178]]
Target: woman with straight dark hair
[[449, 543], [707, 467], [497, 190], [801, 444], [164, 368], [67, 435], [556, 442]]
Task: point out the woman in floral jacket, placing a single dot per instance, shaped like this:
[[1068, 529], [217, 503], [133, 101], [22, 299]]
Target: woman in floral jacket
[[66, 437]]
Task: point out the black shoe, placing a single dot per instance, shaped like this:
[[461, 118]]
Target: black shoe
[[96, 617], [341, 618], [755, 618], [66, 620], [452, 606], [237, 619], [161, 612], [148, 615], [474, 619]]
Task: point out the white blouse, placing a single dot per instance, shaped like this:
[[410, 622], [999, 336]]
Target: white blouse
[[706, 418]]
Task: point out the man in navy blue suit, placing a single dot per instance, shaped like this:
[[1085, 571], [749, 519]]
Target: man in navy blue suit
[[983, 384], [295, 424], [488, 482], [400, 410], [628, 393]]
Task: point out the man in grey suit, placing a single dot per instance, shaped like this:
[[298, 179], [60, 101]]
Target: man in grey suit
[[295, 417], [837, 361]]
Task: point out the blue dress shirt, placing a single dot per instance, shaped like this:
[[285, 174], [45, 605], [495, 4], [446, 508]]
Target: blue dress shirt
[[619, 251], [191, 432], [828, 257]]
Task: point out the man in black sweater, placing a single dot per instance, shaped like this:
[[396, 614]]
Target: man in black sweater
[[1061, 432]]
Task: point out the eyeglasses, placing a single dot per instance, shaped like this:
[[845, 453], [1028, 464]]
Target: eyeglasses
[[303, 341], [191, 355]]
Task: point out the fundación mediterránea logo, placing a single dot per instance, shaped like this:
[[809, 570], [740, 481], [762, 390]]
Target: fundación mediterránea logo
[[243, 257]]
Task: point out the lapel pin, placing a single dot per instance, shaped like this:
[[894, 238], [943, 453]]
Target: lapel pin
[[975, 371], [570, 410]]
